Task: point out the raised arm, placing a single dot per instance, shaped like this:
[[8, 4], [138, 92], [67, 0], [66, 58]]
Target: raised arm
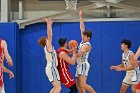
[[82, 26], [6, 53], [49, 23]]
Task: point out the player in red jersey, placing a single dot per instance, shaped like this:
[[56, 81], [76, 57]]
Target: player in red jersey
[[4, 53], [63, 61]]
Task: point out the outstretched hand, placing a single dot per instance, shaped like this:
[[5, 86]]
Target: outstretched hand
[[113, 67], [11, 75], [48, 20]]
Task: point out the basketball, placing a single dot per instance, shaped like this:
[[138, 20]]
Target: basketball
[[72, 43]]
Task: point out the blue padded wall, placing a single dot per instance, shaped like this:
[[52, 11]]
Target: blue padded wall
[[29, 59], [112, 34]]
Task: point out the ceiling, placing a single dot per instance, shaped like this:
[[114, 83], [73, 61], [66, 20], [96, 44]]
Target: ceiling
[[92, 9]]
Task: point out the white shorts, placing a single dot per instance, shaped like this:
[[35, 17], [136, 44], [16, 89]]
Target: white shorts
[[52, 74], [2, 90], [131, 78], [82, 69]]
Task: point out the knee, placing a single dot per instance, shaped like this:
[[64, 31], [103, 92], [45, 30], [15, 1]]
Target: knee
[[82, 85], [133, 90], [137, 91], [59, 88]]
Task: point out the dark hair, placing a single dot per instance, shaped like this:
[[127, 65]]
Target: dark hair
[[62, 41], [88, 33], [42, 41], [126, 42]]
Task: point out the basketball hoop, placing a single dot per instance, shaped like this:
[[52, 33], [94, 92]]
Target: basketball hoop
[[71, 4]]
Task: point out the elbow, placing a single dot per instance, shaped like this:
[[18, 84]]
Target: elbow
[[132, 68], [73, 63], [77, 56], [2, 66]]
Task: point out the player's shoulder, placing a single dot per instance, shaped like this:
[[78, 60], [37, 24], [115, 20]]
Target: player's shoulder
[[3, 42], [59, 50], [86, 44], [62, 54], [86, 48], [131, 52], [62, 51]]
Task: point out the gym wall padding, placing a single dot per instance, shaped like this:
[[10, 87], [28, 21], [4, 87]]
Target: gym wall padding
[[8, 32], [132, 32], [29, 59], [112, 34]]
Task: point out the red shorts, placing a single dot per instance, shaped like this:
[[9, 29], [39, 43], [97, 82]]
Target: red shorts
[[66, 78], [138, 86]]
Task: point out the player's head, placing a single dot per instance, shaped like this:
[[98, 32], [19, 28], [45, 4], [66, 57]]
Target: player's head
[[62, 42], [87, 36], [125, 44], [42, 41]]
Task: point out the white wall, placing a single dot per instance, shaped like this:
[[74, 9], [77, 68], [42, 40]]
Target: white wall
[[35, 9]]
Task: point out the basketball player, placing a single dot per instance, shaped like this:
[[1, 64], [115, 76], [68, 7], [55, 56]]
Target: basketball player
[[82, 59], [137, 55], [51, 57], [63, 61], [129, 66], [4, 52]]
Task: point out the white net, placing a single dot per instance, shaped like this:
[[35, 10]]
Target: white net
[[71, 4]]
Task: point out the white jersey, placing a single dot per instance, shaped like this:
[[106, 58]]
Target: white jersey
[[51, 57], [132, 75], [139, 71], [126, 60], [84, 57]]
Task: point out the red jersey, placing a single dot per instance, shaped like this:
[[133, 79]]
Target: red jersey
[[1, 71], [63, 69], [138, 86]]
